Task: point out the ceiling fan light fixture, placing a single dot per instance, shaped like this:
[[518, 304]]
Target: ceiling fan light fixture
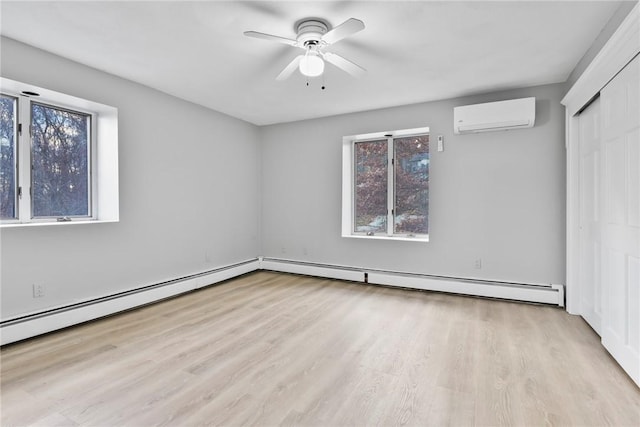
[[311, 65], [314, 35]]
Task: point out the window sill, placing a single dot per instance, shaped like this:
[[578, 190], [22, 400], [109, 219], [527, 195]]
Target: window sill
[[61, 223], [423, 239]]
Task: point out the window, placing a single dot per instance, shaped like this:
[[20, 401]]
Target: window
[[58, 158], [386, 185], [8, 157], [60, 162]]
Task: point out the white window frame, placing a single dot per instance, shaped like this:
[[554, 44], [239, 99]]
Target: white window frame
[[348, 181], [16, 158], [25, 175], [103, 152]]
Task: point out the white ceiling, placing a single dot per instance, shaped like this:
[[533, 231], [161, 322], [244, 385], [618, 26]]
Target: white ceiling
[[413, 51]]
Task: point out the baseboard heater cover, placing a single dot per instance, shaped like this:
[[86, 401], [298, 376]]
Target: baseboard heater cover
[[312, 269], [30, 325], [538, 293], [27, 326], [552, 294]]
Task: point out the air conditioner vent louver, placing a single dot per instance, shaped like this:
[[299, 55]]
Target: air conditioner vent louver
[[494, 116]]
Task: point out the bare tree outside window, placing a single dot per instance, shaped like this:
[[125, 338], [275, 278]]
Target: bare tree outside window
[[8, 208], [58, 158], [60, 162]]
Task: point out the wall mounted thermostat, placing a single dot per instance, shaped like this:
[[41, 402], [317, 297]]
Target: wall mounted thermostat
[[440, 143]]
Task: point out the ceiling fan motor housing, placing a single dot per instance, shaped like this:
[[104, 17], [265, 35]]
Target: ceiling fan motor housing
[[311, 32]]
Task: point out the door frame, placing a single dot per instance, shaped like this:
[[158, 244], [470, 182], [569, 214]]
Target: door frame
[[621, 48]]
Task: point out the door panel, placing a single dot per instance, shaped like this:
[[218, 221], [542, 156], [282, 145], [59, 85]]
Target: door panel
[[615, 181], [634, 304], [616, 293], [590, 248], [633, 192], [620, 328]]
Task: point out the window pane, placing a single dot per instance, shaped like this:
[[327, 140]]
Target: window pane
[[8, 137], [60, 162], [371, 186], [411, 185]]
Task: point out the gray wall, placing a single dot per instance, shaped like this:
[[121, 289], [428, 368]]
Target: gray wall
[[497, 196], [189, 194], [199, 189]]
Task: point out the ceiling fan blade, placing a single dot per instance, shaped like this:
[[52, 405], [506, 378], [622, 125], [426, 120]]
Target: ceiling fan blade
[[289, 69], [270, 37], [344, 64], [348, 27]]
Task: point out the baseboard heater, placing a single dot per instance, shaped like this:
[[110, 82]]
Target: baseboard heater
[[527, 292], [30, 325], [33, 324]]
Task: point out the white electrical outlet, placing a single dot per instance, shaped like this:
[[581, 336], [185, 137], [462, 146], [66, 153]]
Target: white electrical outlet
[[38, 290], [479, 263]]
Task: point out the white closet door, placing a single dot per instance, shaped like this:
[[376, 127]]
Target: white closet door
[[620, 108], [590, 233]]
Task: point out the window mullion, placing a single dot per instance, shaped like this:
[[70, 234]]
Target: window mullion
[[390, 186], [93, 166], [24, 159], [353, 183]]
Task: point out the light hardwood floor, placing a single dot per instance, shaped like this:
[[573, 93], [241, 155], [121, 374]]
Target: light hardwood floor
[[277, 349]]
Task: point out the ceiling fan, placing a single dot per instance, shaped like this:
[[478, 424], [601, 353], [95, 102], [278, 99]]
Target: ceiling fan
[[313, 36]]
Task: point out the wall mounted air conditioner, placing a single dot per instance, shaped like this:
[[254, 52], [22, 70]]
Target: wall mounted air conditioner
[[492, 116]]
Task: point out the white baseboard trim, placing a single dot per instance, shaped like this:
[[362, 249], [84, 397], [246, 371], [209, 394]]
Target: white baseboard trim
[[33, 324], [28, 326], [545, 294]]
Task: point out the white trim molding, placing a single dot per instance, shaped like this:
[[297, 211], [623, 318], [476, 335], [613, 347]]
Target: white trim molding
[[619, 50], [622, 47]]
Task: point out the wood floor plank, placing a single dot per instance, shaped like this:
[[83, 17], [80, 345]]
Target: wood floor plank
[[277, 349]]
